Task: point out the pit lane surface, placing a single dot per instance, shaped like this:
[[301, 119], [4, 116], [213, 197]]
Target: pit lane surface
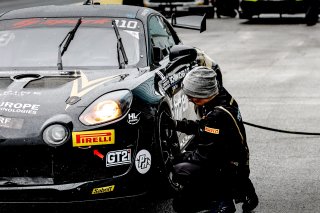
[[272, 67]]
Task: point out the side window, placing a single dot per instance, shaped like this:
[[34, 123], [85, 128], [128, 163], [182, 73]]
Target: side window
[[160, 35]]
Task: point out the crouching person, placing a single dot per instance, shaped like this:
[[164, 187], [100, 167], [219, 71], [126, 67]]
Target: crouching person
[[215, 171]]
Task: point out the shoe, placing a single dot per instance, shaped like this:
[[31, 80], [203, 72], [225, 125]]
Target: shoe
[[225, 206], [250, 203]]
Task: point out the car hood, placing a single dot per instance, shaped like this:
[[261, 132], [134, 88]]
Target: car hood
[[31, 100]]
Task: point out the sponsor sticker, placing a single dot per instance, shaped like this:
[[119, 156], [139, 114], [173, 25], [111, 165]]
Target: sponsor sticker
[[211, 130], [56, 22], [133, 118], [178, 76], [24, 108], [18, 93], [92, 138], [104, 189], [143, 161], [11, 123], [118, 157]]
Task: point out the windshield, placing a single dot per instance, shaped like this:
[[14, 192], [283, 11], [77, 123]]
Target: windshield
[[34, 43]]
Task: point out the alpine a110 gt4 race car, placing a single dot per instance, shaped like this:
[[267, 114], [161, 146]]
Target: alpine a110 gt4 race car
[[84, 95]]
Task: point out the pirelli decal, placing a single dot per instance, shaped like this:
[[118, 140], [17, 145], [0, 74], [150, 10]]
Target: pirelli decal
[[92, 138], [211, 130], [103, 190]]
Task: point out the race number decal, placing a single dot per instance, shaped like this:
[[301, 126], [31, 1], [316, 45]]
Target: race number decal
[[127, 24]]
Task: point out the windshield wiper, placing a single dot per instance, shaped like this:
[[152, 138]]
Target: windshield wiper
[[120, 49], [69, 38]]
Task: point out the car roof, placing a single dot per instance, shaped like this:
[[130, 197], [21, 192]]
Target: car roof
[[52, 11]]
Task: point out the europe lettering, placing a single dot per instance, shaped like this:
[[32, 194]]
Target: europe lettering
[[19, 107]]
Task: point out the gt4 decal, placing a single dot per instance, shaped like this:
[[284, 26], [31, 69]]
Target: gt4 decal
[[118, 157], [92, 138], [103, 189], [143, 161], [211, 130], [11, 123]]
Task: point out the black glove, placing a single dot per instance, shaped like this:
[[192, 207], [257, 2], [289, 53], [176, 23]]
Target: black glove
[[182, 157], [168, 122]]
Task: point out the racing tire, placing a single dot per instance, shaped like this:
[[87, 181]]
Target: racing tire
[[167, 146]]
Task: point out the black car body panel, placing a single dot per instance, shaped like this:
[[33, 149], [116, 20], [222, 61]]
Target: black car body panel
[[92, 130]]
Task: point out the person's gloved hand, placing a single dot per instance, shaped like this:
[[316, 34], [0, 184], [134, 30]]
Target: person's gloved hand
[[168, 122]]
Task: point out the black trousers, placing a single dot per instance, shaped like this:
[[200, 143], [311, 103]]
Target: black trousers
[[202, 187]]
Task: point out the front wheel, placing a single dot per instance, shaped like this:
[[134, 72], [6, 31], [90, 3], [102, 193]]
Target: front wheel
[[166, 148]]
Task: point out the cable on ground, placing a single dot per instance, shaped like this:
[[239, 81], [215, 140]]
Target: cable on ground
[[280, 130]]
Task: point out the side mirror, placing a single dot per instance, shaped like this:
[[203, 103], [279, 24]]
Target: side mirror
[[194, 22], [157, 55], [189, 54]]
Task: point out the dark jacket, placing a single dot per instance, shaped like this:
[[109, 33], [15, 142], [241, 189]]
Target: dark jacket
[[220, 137]]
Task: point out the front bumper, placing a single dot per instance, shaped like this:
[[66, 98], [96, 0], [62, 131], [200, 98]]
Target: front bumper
[[114, 188], [36, 173]]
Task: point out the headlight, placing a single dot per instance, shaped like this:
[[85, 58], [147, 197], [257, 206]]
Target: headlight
[[55, 135], [107, 108]]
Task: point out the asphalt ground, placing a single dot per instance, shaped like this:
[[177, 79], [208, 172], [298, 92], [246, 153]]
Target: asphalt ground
[[272, 68]]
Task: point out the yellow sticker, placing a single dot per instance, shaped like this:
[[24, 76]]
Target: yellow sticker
[[103, 190], [211, 130], [92, 138]]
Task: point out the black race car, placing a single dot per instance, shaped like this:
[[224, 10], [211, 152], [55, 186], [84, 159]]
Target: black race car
[[250, 8], [85, 91]]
